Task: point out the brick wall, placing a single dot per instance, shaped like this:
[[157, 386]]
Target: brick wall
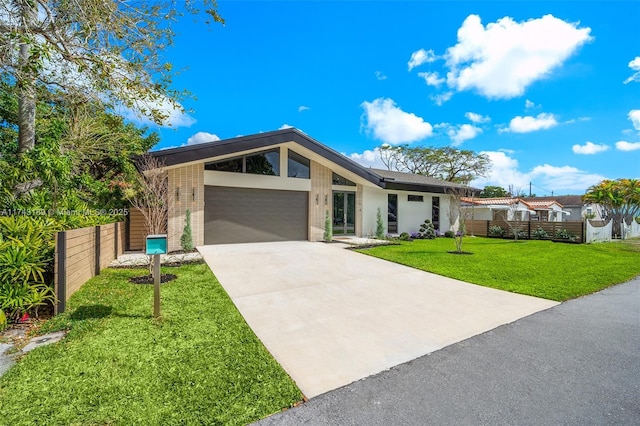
[[320, 200], [186, 191]]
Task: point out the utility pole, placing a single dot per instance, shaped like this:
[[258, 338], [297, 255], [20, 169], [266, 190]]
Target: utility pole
[[529, 189]]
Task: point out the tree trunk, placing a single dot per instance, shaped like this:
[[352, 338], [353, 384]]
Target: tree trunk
[[26, 88]]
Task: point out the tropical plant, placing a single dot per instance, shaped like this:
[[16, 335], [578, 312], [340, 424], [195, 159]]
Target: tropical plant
[[3, 320], [186, 240], [496, 231], [379, 225], [540, 234], [328, 231], [615, 199]]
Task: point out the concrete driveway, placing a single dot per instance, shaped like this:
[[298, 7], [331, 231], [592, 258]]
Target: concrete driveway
[[332, 316]]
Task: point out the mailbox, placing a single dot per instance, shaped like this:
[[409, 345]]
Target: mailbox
[[156, 244]]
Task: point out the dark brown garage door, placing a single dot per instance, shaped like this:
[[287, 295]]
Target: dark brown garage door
[[243, 215]]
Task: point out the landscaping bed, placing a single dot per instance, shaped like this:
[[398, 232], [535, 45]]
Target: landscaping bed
[[199, 364], [537, 268]]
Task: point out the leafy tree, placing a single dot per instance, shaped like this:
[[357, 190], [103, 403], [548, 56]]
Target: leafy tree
[[457, 214], [615, 199], [109, 51], [493, 192], [446, 163], [82, 159]]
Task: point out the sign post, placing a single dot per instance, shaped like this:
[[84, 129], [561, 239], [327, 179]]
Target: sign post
[[156, 246]]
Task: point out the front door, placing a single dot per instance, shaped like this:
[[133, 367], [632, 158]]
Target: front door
[[344, 213]]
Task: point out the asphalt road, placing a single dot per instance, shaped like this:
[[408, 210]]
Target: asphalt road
[[575, 364]]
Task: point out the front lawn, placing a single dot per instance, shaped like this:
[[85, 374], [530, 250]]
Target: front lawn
[[555, 271], [200, 364]]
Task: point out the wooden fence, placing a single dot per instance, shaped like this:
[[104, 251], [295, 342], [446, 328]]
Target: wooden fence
[[137, 230], [80, 255], [481, 228]]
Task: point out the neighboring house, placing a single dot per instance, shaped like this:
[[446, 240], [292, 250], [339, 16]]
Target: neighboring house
[[279, 186], [573, 204], [508, 208]]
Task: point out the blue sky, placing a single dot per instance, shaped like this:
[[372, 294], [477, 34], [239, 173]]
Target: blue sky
[[549, 90]]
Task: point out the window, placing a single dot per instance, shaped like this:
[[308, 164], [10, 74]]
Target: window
[[259, 163], [298, 166], [435, 212], [339, 180], [416, 198], [232, 165]]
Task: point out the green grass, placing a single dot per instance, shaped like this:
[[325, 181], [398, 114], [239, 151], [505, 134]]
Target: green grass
[[555, 271], [200, 364]]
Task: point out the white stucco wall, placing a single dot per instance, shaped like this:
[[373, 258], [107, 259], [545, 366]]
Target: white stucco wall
[[411, 214]]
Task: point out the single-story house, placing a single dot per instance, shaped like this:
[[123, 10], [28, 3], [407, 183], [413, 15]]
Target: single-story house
[[576, 209], [514, 208], [281, 185]]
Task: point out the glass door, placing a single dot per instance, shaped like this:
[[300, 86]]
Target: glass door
[[344, 213]]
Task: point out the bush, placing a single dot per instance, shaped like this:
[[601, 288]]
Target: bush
[[3, 320], [404, 236], [540, 234], [638, 220], [186, 240], [496, 231], [427, 230], [328, 231], [415, 236], [563, 234], [379, 226], [449, 234]]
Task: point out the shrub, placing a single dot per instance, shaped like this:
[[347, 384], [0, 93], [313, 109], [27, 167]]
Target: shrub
[[379, 226], [496, 231], [540, 233], [415, 235], [562, 234], [328, 231], [186, 240], [404, 236], [427, 230], [449, 234], [3, 320], [637, 219]]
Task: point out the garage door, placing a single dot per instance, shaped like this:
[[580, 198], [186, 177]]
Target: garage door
[[244, 215]]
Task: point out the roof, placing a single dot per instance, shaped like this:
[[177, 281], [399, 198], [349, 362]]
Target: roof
[[531, 203], [382, 178], [564, 200]]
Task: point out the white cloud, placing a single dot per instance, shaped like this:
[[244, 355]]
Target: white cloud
[[502, 59], [562, 180], [634, 116], [504, 171], [463, 133], [303, 108], [529, 105], [368, 158], [380, 75], [589, 148], [392, 125], [420, 57], [441, 98], [285, 126], [432, 78], [202, 137], [174, 115], [529, 123], [477, 118], [627, 146], [635, 66]]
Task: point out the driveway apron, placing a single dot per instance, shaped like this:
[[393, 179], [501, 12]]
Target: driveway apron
[[331, 316]]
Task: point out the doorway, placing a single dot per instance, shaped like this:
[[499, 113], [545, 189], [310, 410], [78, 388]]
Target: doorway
[[344, 213]]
